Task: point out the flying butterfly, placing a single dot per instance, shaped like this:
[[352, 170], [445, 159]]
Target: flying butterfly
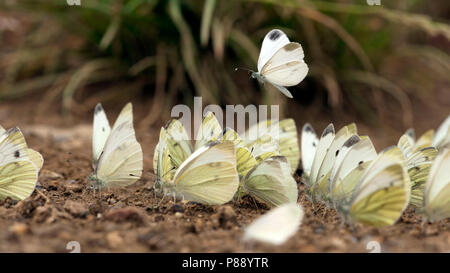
[[117, 155], [280, 62]]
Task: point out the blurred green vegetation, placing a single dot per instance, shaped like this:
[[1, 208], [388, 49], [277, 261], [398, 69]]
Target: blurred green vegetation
[[167, 51]]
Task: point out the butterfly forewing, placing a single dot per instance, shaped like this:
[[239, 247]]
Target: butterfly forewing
[[273, 41]]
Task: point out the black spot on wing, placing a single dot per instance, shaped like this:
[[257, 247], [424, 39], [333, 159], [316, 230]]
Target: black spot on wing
[[328, 130], [308, 128], [274, 34], [169, 123], [351, 141], [98, 108], [17, 154]]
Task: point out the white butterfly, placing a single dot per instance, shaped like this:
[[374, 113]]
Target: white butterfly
[[280, 62], [18, 173], [276, 226], [117, 156]]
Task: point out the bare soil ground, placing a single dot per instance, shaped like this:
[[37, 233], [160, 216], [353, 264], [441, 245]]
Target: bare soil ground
[[128, 219]]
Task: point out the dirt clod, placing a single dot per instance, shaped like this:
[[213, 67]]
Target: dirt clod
[[224, 218], [76, 209], [120, 215], [19, 229]]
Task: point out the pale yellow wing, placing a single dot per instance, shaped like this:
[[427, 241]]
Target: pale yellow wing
[[17, 179], [383, 192], [288, 142], [36, 158], [418, 165], [209, 175], [424, 141], [264, 147], [121, 162], [271, 182], [178, 142], [245, 160], [209, 131], [437, 187]]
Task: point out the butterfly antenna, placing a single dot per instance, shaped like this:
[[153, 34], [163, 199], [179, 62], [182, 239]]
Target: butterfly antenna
[[245, 69]]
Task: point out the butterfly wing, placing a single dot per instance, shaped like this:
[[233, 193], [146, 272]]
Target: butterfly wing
[[162, 162], [209, 175], [424, 141], [330, 157], [276, 226], [178, 142], [36, 158], [121, 161], [13, 146], [17, 179], [126, 114], [209, 131], [286, 67], [244, 158], [383, 192], [324, 144], [288, 141], [273, 41], [101, 131], [437, 187], [418, 165], [271, 182], [309, 144], [355, 152], [442, 135], [264, 147]]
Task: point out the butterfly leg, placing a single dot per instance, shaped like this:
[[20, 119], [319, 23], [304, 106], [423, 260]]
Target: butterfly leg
[[254, 202], [162, 199]]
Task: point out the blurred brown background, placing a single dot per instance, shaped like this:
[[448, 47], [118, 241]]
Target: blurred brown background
[[385, 67]]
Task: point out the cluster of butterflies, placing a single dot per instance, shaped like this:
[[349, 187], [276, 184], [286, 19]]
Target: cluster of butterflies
[[343, 170], [221, 165]]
